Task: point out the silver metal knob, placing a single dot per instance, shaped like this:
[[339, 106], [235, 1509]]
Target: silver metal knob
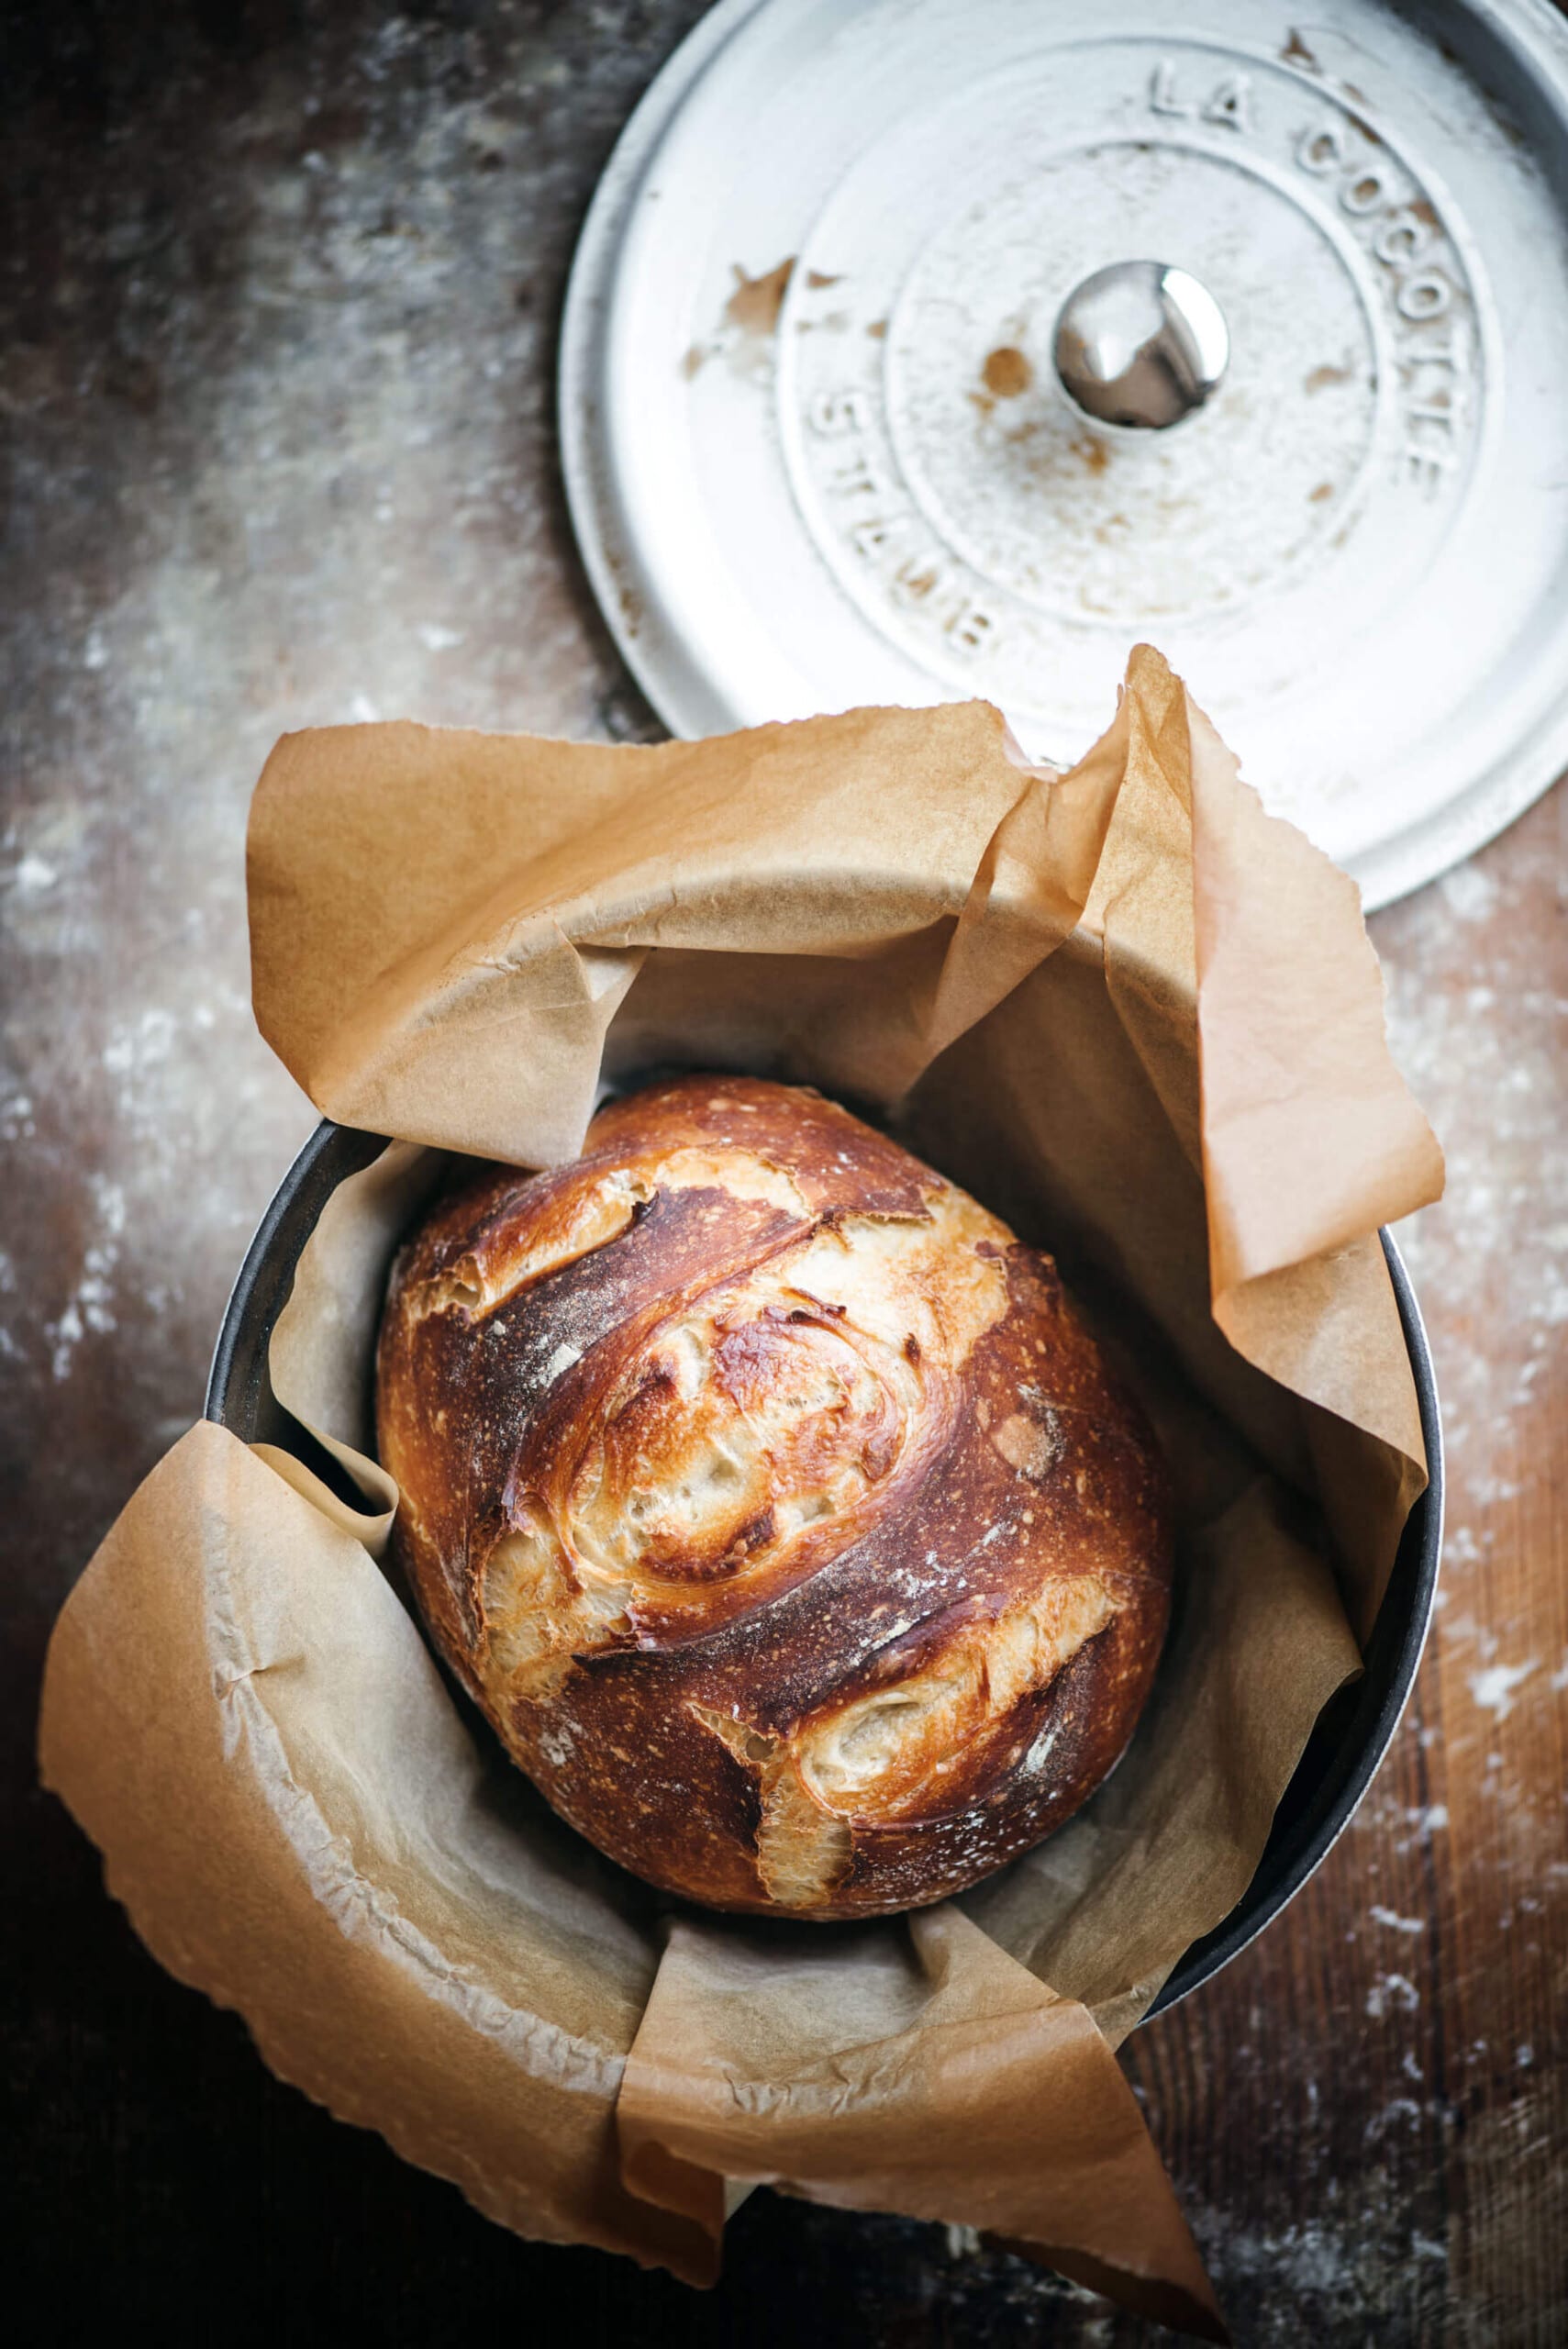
[[1141, 345]]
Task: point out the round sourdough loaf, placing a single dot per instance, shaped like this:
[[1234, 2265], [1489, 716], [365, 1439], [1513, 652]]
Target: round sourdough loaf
[[773, 1502]]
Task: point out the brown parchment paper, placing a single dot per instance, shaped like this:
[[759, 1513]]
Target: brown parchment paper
[[1139, 1017]]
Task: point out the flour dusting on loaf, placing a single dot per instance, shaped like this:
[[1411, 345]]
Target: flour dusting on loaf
[[773, 1502]]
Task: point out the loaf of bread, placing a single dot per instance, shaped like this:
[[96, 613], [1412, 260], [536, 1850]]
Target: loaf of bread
[[773, 1502]]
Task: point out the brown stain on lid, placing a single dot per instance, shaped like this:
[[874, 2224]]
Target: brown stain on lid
[[1007, 372], [756, 302]]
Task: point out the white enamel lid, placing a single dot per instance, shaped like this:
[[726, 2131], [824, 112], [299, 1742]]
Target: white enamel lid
[[819, 454]]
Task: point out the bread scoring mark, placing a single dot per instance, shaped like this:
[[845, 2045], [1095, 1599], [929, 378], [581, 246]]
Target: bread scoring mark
[[736, 1509], [743, 1173], [535, 1612], [803, 1852], [885, 1754], [459, 1291], [735, 1428], [584, 1216], [751, 1429], [898, 1277], [578, 1221]]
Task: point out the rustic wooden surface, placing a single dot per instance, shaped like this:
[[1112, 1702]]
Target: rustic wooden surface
[[280, 295]]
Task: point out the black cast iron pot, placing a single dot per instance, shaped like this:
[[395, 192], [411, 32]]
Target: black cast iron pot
[[1352, 1736]]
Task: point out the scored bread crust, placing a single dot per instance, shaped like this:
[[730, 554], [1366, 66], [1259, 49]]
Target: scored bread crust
[[773, 1502]]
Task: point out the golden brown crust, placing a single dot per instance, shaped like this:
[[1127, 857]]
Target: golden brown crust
[[773, 1502]]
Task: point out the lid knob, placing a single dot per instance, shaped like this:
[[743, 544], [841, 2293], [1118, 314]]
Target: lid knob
[[1142, 345]]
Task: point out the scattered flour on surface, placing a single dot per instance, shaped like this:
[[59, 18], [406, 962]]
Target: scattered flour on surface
[[90, 1304], [1493, 1689], [1470, 893], [1394, 1994], [1400, 2110], [1395, 1924]]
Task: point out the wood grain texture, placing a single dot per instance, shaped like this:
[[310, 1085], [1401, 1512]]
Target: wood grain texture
[[279, 319]]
